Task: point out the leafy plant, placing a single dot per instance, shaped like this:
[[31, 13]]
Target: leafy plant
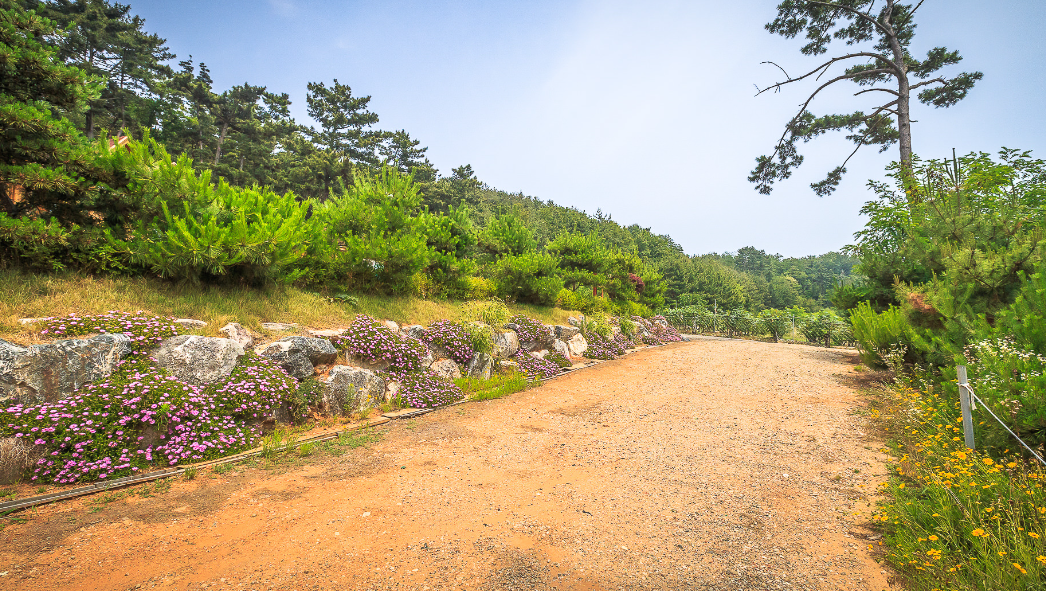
[[535, 367], [453, 338], [530, 277], [492, 312]]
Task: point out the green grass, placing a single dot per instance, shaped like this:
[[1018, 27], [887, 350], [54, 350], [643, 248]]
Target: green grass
[[496, 387], [28, 295], [955, 518]]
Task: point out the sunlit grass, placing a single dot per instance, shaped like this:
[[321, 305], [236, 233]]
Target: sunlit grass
[[26, 295], [957, 518], [496, 387]]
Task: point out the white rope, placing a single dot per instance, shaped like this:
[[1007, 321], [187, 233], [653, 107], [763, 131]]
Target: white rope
[[1021, 441]]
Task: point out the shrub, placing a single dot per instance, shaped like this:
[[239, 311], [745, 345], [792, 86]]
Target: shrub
[[582, 300], [664, 332], [479, 288], [426, 389], [1011, 380], [535, 367], [452, 338], [529, 277], [776, 322], [879, 336], [508, 235], [481, 337], [825, 328], [368, 340]]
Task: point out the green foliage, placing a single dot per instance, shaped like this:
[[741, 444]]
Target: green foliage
[[952, 241], [825, 328], [582, 300], [530, 277], [880, 337], [883, 38], [776, 322], [481, 336], [507, 235], [370, 237], [497, 386], [210, 231]]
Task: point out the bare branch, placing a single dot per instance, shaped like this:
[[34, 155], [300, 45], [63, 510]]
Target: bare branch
[[925, 82], [885, 107], [880, 26], [893, 92], [893, 69]]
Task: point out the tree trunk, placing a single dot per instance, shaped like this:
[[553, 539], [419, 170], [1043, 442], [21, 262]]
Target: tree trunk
[[241, 161], [221, 140], [904, 118]]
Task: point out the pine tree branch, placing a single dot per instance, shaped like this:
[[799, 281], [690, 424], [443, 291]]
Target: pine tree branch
[[925, 82], [893, 92], [823, 68], [883, 28]]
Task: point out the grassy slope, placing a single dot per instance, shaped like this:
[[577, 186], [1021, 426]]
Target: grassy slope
[[25, 295]]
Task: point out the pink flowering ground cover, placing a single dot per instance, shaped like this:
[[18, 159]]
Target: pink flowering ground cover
[[141, 416], [420, 388]]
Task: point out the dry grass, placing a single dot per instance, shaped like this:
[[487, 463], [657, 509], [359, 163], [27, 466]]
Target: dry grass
[[25, 295]]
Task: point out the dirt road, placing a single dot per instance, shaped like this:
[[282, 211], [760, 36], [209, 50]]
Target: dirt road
[[708, 465]]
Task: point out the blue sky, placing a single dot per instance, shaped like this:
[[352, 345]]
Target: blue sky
[[644, 110]]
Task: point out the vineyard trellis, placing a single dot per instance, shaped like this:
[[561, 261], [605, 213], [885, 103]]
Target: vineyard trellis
[[823, 328]]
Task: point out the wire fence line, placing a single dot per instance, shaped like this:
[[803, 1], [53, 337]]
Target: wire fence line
[[968, 400], [821, 328]]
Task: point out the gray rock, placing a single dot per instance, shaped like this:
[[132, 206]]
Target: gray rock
[[507, 366], [414, 331], [562, 348], [428, 359], [25, 321], [565, 333], [480, 366], [328, 332], [446, 368], [190, 323], [278, 326], [317, 350], [50, 372], [199, 360], [290, 357], [236, 332], [540, 353], [575, 321], [505, 344], [577, 345], [391, 325], [379, 365], [351, 389]]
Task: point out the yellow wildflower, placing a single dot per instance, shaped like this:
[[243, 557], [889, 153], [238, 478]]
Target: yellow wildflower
[[934, 538]]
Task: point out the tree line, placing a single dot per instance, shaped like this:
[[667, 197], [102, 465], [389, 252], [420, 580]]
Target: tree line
[[115, 161]]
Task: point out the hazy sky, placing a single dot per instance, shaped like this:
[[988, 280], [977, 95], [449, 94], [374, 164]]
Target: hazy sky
[[643, 109]]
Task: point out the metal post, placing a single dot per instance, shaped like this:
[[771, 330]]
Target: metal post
[[965, 401]]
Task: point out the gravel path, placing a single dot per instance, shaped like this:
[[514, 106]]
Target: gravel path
[[715, 464]]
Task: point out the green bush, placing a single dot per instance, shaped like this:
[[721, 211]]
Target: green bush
[[776, 322], [507, 235], [881, 338], [529, 277], [582, 300]]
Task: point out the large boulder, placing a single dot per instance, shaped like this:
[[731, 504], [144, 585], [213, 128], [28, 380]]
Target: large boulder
[[50, 372], [565, 333], [317, 350], [505, 344], [236, 332], [575, 321], [446, 368], [562, 348], [577, 345], [507, 366], [290, 357], [480, 366], [199, 360], [351, 389]]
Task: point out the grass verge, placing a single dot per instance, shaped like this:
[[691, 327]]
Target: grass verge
[[496, 387], [957, 518], [29, 295]]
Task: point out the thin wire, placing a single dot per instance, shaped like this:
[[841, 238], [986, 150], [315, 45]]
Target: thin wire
[[1021, 441]]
